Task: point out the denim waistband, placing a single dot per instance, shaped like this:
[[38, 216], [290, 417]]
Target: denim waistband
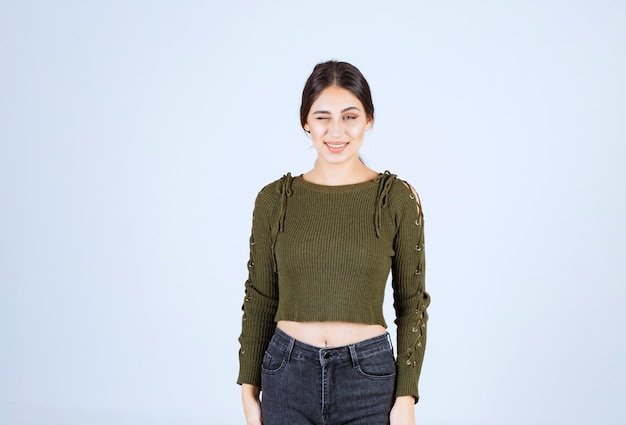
[[294, 348]]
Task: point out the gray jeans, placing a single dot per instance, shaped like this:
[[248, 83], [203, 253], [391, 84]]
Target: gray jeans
[[306, 385]]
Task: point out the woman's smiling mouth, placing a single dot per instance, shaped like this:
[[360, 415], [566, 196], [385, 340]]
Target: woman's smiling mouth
[[336, 147]]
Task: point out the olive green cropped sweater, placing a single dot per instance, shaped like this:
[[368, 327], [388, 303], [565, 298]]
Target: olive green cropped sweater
[[323, 253]]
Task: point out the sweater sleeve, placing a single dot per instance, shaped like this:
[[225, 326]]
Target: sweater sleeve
[[410, 297], [261, 291]]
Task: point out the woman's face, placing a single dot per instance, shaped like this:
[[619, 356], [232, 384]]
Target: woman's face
[[337, 123]]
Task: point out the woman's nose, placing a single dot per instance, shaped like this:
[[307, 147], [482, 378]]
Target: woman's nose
[[336, 128]]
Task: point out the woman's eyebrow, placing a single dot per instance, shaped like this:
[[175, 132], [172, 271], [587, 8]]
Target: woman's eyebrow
[[349, 108]]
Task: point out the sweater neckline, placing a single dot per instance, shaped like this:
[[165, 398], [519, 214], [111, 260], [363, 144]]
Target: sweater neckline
[[300, 181]]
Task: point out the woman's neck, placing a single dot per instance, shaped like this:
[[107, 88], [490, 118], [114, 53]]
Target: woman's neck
[[339, 174]]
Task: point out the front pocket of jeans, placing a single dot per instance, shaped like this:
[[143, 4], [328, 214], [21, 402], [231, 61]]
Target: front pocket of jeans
[[381, 365], [272, 364]]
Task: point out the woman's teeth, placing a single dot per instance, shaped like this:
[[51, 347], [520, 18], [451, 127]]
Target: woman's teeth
[[336, 145]]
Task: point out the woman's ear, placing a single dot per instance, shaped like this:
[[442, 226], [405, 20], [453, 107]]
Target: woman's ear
[[369, 123], [306, 127]]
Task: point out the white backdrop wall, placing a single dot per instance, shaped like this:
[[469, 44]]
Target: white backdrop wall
[[135, 135]]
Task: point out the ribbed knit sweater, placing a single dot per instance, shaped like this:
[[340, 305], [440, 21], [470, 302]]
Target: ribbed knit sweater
[[323, 253]]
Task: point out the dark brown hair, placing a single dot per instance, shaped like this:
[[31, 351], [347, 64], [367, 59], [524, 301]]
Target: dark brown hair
[[335, 74]]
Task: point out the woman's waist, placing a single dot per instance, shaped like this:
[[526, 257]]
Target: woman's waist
[[330, 334]]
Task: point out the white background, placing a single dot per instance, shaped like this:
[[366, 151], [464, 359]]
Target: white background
[[135, 135]]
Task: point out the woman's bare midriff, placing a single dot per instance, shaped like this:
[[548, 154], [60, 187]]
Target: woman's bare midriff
[[330, 334]]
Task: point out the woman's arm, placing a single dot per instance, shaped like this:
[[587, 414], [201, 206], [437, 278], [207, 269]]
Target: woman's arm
[[402, 412], [410, 297], [251, 404], [261, 291]]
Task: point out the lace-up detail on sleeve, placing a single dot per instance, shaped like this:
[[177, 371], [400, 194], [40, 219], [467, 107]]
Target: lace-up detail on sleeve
[[384, 185], [261, 288], [410, 297]]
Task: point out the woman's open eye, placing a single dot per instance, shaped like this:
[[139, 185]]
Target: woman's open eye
[[350, 117]]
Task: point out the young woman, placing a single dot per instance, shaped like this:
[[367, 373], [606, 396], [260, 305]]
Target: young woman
[[323, 243]]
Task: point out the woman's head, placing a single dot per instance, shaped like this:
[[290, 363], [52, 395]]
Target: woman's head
[[336, 74], [336, 111]]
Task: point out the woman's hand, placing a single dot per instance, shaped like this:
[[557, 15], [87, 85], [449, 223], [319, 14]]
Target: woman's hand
[[251, 404], [402, 412]]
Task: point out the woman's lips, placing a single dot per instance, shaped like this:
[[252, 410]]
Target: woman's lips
[[336, 147]]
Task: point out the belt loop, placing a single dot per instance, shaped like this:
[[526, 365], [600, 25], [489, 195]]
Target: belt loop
[[355, 359], [289, 349], [389, 341]]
